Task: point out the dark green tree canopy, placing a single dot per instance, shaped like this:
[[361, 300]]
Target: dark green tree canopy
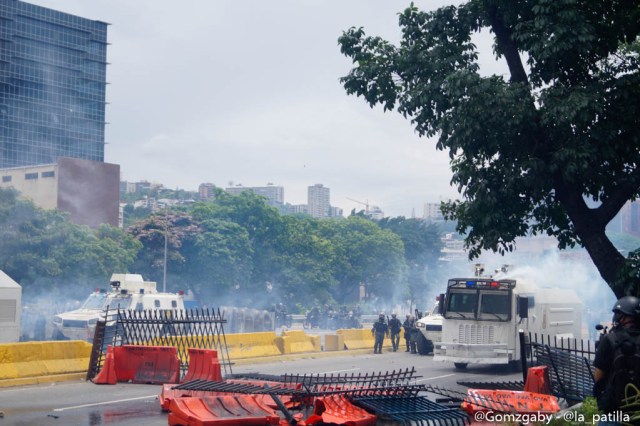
[[530, 153]]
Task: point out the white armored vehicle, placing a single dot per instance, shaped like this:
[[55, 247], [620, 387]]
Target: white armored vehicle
[[128, 291], [482, 317], [430, 327]]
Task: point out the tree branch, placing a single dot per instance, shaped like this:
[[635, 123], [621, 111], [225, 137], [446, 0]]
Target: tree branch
[[611, 205], [506, 45]]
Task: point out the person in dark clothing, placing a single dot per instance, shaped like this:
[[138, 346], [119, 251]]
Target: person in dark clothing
[[394, 327], [415, 334], [617, 359], [379, 330], [406, 326]]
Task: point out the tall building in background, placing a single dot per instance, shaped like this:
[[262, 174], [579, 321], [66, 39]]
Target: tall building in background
[[207, 191], [52, 85], [273, 193], [432, 212], [52, 112], [318, 204]]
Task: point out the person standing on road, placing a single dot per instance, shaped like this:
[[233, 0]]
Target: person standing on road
[[379, 330], [415, 335], [394, 327], [406, 326]]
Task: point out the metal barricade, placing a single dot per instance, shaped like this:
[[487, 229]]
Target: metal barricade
[[183, 329]]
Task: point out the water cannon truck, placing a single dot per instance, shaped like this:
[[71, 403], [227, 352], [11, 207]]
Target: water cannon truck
[[482, 318], [127, 291]]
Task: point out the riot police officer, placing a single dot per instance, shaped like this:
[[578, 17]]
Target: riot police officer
[[406, 326], [379, 330], [394, 327]]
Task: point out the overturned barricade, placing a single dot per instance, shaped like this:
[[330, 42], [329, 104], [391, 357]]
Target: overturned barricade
[[356, 399], [569, 363]]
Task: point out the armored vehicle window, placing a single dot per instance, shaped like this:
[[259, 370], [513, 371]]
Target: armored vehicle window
[[495, 305], [118, 303], [174, 304], [156, 303], [462, 304], [94, 301]]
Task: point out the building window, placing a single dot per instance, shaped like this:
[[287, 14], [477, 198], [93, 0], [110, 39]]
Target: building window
[[6, 178], [31, 176], [48, 174]]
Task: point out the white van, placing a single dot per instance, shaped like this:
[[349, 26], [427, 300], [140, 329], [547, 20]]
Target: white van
[[128, 291]]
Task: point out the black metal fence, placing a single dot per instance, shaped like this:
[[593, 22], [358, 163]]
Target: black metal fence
[[569, 360], [182, 329], [570, 363], [389, 395]]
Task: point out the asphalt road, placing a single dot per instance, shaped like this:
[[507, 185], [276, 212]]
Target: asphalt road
[[82, 403]]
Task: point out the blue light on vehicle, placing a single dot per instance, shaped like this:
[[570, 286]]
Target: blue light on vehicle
[[471, 284]]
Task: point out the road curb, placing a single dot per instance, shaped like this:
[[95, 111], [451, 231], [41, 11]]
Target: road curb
[[37, 380]]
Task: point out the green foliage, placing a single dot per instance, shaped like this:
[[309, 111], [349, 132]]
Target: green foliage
[[525, 153], [238, 250], [234, 250], [422, 247], [44, 251]]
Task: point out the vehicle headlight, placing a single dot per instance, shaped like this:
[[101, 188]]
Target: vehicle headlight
[[57, 321], [420, 325]]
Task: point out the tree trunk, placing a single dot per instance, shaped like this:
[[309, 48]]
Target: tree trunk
[[591, 232], [606, 257]]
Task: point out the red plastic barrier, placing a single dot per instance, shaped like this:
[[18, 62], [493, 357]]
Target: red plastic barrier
[[336, 409], [503, 400], [168, 393], [287, 400], [538, 380], [107, 375], [147, 364], [229, 410], [203, 365]]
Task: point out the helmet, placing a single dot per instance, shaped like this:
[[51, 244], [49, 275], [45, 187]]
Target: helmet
[[393, 315], [381, 316], [627, 305]]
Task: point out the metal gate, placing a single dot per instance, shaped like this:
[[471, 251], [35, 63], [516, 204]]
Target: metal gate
[[182, 329]]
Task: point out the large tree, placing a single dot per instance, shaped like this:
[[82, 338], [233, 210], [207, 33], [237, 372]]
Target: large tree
[[422, 245], [45, 252], [554, 149]]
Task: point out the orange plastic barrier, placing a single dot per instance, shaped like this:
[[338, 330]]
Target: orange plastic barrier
[[203, 365], [538, 380], [107, 375], [336, 409], [287, 400], [507, 401], [147, 364], [168, 393], [231, 410]]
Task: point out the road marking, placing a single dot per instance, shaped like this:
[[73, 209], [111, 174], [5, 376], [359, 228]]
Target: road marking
[[339, 371], [103, 403], [437, 377]]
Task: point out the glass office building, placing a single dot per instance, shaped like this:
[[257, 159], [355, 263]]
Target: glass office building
[[52, 85]]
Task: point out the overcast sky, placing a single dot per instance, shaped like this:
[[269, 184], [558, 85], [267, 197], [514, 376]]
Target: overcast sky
[[247, 92]]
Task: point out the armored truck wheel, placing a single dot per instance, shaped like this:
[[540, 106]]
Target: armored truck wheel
[[460, 365], [425, 347]]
